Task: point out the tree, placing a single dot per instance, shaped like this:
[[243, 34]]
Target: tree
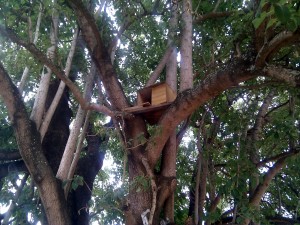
[[243, 122]]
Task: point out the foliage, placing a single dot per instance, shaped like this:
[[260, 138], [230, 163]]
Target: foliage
[[228, 152]]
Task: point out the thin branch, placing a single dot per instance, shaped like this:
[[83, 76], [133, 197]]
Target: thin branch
[[182, 131], [282, 39], [217, 5], [55, 69], [276, 157], [77, 154], [259, 121], [214, 203], [291, 77], [70, 148], [40, 56], [35, 39], [44, 127], [101, 109], [200, 165], [11, 154], [128, 21], [155, 74], [262, 187], [15, 200], [275, 108]]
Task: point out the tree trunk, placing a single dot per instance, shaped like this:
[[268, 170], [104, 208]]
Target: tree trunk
[[139, 197], [88, 168], [30, 148], [169, 154]]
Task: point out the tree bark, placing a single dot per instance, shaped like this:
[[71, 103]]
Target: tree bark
[[35, 39], [40, 100], [88, 167], [68, 155], [60, 90], [30, 148], [186, 64], [169, 154], [189, 100]]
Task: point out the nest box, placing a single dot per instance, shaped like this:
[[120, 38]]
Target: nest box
[[152, 101]]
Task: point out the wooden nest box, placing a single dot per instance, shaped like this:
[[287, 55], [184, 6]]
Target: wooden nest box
[[152, 101]]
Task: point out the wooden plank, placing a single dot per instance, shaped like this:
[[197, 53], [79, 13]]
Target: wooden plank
[[146, 104], [140, 109], [171, 95], [152, 101], [159, 94]]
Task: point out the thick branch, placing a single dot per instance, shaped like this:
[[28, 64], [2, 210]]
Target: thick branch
[[70, 148], [190, 100], [259, 121], [186, 48], [99, 54], [261, 188], [211, 15], [50, 112]]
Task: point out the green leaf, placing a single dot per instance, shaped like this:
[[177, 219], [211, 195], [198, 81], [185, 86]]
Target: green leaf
[[292, 24], [77, 180], [74, 185], [282, 12], [271, 23]]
